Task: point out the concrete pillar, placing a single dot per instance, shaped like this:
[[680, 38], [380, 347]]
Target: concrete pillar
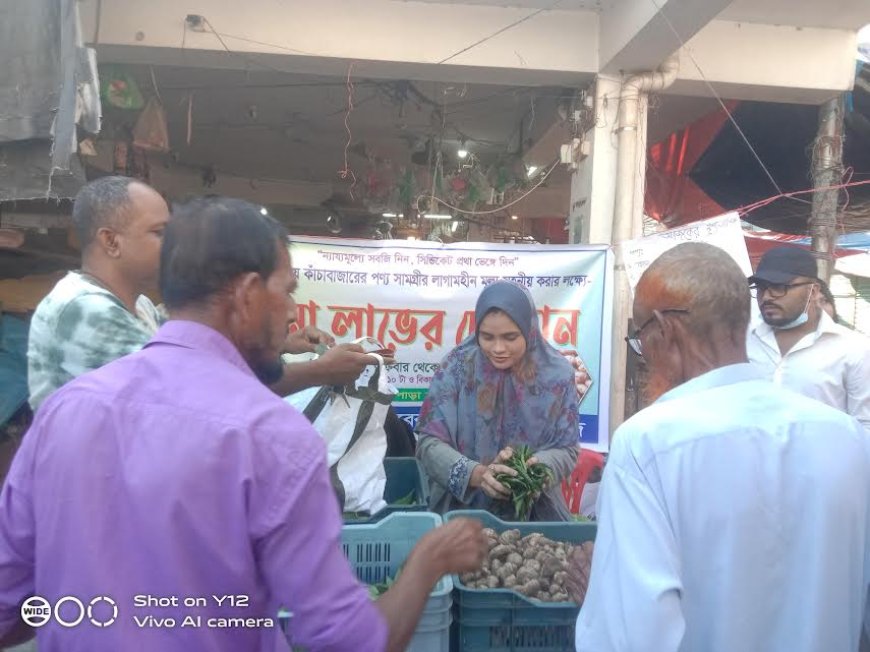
[[593, 184]]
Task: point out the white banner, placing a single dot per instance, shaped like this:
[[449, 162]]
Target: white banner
[[418, 298], [723, 231]]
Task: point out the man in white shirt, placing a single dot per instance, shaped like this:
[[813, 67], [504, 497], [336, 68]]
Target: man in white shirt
[[734, 514], [798, 345]]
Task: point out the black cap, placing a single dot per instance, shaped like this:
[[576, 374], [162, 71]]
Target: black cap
[[784, 264]]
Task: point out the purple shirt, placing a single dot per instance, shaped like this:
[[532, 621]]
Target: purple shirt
[[174, 474]]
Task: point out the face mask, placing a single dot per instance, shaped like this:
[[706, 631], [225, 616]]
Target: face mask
[[800, 320]]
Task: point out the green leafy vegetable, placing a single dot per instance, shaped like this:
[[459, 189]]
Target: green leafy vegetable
[[377, 590], [526, 486], [410, 499]]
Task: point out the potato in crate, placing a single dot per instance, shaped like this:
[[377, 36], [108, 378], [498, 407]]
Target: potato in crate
[[519, 601]]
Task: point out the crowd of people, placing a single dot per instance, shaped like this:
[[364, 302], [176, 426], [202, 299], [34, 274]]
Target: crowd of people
[[734, 512]]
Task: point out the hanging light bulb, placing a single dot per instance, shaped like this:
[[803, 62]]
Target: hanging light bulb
[[462, 152]]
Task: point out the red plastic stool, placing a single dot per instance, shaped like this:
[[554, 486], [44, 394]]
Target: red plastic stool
[[572, 488]]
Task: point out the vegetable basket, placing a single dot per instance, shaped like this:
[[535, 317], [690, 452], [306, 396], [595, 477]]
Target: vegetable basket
[[502, 620], [377, 551]]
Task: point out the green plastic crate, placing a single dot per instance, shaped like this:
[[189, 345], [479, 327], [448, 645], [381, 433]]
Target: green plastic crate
[[502, 620], [377, 551], [404, 476]]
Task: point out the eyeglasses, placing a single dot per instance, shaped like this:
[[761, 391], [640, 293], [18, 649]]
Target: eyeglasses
[[634, 339], [775, 290]]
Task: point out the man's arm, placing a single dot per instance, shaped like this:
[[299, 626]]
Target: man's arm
[[858, 385], [302, 561], [634, 596], [17, 546], [340, 365]]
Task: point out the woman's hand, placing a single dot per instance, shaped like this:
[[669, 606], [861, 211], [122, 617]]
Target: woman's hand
[[483, 476]]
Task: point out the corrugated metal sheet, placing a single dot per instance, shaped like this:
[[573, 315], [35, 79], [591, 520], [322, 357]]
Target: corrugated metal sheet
[[44, 66]]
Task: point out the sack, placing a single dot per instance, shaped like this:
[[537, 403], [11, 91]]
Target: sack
[[151, 132], [351, 422]]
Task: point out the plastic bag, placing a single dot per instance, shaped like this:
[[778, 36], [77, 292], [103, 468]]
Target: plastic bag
[[351, 422], [151, 132]]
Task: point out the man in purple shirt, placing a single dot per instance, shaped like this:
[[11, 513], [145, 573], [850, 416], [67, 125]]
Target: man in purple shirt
[[170, 501]]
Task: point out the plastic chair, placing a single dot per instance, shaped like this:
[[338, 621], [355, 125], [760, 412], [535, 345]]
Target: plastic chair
[[572, 488]]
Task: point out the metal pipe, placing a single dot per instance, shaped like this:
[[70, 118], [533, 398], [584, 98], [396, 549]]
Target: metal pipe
[[630, 171]]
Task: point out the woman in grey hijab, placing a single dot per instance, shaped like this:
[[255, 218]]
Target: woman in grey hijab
[[503, 387]]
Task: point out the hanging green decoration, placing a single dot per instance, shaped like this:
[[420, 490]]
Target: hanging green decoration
[[473, 194], [118, 88], [501, 180], [406, 188]]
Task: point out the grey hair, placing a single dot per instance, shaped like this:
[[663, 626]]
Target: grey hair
[[704, 280], [104, 202]]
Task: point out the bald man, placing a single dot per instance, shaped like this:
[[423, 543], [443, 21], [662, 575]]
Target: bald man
[[734, 514]]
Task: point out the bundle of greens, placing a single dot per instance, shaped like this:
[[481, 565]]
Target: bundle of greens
[[526, 486], [377, 590], [410, 499]]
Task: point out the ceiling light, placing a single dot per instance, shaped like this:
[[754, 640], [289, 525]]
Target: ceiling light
[[388, 215], [514, 217], [263, 211], [462, 152], [438, 216], [532, 170]]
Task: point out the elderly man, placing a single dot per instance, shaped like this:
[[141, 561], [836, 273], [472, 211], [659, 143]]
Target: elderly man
[[173, 473], [798, 344], [734, 514], [102, 312]]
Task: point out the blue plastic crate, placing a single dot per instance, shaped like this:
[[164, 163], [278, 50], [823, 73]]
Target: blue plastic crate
[[502, 620], [404, 476], [377, 551]]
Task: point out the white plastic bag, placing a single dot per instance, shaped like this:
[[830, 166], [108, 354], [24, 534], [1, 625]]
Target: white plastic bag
[[351, 422]]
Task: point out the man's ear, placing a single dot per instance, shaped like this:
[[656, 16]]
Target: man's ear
[[247, 295], [107, 240], [666, 329]]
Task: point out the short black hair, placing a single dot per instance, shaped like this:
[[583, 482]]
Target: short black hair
[[210, 242], [104, 202]]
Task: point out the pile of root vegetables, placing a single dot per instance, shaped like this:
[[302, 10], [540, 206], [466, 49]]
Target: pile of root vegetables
[[532, 565]]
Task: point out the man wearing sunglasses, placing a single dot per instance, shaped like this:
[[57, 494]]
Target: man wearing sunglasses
[[798, 345], [733, 515]]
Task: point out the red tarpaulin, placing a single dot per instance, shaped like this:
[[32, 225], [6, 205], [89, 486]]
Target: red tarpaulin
[[672, 197]]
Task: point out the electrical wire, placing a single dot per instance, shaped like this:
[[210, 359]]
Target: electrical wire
[[501, 31], [495, 210], [688, 51], [745, 210], [346, 171]]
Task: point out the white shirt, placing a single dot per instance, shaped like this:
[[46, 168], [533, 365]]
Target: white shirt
[[831, 365], [734, 517]]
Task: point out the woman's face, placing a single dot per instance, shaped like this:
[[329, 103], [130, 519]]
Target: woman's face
[[501, 340]]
